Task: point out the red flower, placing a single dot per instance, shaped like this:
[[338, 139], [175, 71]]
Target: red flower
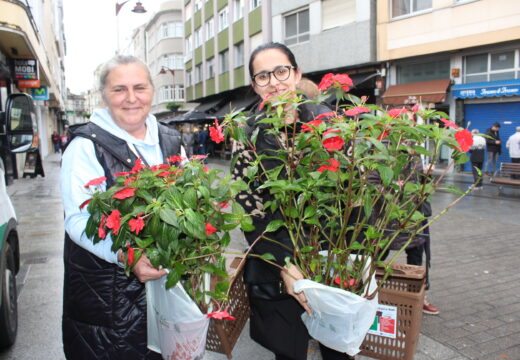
[[159, 167], [114, 221], [84, 203], [395, 113], [415, 108], [333, 166], [357, 110], [329, 114], [126, 173], [216, 133], [334, 142], [337, 80], [383, 134], [137, 224], [465, 140], [210, 229], [309, 127], [138, 166], [102, 232], [220, 315], [262, 104], [448, 123], [165, 173], [124, 194], [351, 282], [130, 257], [96, 181], [223, 204]]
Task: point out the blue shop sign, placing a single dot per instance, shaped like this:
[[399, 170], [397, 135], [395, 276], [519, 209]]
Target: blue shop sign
[[41, 93], [487, 89]]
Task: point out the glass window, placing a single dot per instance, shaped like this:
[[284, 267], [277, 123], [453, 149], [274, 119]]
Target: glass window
[[210, 31], [239, 54], [491, 67], [173, 61], [171, 92], [409, 7], [188, 78], [210, 65], [297, 27], [223, 58], [432, 70], [238, 9], [198, 37], [198, 73], [188, 11], [223, 19], [189, 42], [198, 5], [476, 64], [254, 4], [502, 61], [502, 76]]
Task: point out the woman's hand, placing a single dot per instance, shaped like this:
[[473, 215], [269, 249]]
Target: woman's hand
[[289, 276], [145, 271]]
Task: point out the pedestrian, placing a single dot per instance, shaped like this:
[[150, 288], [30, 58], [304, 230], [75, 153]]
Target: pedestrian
[[104, 310], [494, 147], [188, 140], [276, 310], [477, 157], [202, 139], [63, 141], [56, 141], [513, 144]]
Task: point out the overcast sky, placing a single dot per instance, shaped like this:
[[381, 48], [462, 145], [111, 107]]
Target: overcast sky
[[91, 35]]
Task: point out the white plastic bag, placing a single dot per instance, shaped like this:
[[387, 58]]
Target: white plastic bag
[[340, 319], [176, 327]]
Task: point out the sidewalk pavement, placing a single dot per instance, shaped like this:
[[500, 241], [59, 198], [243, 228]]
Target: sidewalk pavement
[[475, 254]]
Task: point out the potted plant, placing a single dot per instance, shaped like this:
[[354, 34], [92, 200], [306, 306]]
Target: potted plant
[[173, 106]]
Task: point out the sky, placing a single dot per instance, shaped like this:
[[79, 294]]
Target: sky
[[91, 28]]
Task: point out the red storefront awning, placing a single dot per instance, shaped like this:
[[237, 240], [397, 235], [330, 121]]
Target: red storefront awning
[[433, 91]]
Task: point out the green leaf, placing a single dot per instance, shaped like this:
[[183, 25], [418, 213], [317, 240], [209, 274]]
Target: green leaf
[[144, 194], [172, 279], [309, 212], [386, 174], [190, 198], [274, 225], [169, 216], [268, 257], [356, 246], [144, 243]]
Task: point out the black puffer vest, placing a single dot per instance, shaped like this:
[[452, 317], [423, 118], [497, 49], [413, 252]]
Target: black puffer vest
[[104, 311]]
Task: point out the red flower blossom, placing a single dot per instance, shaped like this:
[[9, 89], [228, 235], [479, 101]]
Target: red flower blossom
[[351, 282], [395, 113], [465, 140], [130, 254], [415, 108], [266, 99], [216, 133], [174, 159], [102, 232], [138, 166], [220, 315], [124, 194], [165, 173], [329, 114], [137, 224], [114, 221], [159, 167], [383, 134], [84, 203], [210, 229], [334, 142], [309, 127], [333, 165], [337, 80], [125, 173], [128, 181], [357, 110], [448, 123], [96, 181]]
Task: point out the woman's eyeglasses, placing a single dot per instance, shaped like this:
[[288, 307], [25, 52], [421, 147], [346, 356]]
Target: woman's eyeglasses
[[281, 73]]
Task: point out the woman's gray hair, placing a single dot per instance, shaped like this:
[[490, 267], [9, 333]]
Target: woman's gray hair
[[117, 61]]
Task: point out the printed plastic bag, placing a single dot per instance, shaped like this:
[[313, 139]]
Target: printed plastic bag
[[176, 327], [340, 319]]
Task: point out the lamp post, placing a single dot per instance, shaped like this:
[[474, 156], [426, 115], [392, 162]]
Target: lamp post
[[165, 69], [138, 9]]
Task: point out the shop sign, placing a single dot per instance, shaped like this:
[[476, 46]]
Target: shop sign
[[29, 83], [41, 93], [25, 68]]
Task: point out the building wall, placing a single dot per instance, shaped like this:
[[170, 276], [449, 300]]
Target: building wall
[[456, 26]]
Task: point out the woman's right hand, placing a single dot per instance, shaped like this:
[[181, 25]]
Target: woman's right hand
[[144, 270], [290, 276]]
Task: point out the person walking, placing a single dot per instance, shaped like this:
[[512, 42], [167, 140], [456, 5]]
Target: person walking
[[56, 141], [494, 147], [202, 139], [477, 153], [276, 310], [188, 141], [513, 144], [104, 310]]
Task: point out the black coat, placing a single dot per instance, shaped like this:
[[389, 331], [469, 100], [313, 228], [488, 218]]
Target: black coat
[[104, 311], [491, 143]]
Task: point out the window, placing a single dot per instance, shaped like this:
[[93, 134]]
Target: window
[[198, 37], [223, 59], [171, 29], [253, 4], [492, 67], [239, 54], [188, 78], [198, 73], [409, 7], [297, 27], [223, 19], [198, 5], [238, 9], [171, 92], [188, 10], [210, 31], [432, 70], [173, 61], [189, 42], [210, 67]]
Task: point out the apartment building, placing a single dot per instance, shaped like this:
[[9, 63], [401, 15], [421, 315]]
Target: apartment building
[[32, 50], [459, 56]]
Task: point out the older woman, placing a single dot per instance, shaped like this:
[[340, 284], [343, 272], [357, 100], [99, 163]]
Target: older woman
[[275, 315], [104, 311]]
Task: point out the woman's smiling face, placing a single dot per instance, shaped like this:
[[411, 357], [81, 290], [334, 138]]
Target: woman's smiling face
[[268, 60]]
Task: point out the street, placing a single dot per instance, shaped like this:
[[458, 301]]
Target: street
[[473, 276]]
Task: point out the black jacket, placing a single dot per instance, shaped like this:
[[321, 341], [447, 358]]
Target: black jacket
[[104, 311], [491, 143]]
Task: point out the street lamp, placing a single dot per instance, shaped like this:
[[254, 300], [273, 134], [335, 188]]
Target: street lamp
[[164, 69], [138, 9]]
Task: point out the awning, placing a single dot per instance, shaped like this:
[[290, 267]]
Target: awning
[[241, 104], [210, 106], [433, 91], [487, 89], [191, 116]]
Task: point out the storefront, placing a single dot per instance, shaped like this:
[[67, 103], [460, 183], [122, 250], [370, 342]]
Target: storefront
[[486, 103]]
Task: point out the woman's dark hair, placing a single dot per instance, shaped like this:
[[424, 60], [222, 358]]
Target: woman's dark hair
[[271, 45]]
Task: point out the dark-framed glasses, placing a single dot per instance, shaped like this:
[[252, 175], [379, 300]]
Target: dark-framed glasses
[[281, 73]]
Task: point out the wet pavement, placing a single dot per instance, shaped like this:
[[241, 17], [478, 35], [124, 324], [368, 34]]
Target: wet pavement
[[474, 277]]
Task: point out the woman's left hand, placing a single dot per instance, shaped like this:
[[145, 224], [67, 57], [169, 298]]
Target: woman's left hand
[[290, 276], [144, 270]]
